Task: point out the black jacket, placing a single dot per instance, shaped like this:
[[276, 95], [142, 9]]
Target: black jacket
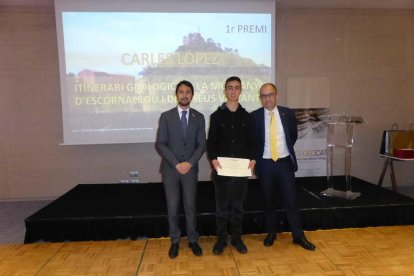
[[231, 134]]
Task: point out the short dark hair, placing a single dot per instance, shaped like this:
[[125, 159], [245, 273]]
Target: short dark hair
[[186, 83], [233, 78]]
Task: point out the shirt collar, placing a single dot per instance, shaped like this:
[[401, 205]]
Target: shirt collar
[[180, 109], [274, 110]]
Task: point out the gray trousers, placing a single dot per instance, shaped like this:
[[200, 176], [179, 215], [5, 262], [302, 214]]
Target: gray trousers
[[183, 186]]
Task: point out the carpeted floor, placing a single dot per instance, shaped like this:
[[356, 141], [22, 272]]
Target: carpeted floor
[[12, 215]]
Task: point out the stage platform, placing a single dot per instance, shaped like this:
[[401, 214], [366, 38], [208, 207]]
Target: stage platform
[[135, 211]]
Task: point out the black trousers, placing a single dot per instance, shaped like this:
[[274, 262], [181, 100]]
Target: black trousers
[[230, 195], [279, 177]]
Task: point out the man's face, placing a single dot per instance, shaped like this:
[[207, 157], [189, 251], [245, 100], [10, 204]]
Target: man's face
[[268, 97], [184, 95], [233, 90]]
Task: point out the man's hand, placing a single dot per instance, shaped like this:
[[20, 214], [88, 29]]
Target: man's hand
[[252, 163], [216, 164], [183, 167]]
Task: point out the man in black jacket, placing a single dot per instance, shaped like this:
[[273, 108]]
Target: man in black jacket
[[230, 135]]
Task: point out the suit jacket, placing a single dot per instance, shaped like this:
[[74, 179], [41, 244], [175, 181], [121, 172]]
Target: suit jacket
[[173, 146], [288, 118]]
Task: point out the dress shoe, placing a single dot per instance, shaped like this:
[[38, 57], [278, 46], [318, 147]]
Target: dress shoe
[[219, 247], [240, 246], [196, 248], [173, 252], [304, 243], [270, 238]]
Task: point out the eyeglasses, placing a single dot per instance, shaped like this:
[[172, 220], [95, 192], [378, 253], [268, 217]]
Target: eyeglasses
[[266, 96]]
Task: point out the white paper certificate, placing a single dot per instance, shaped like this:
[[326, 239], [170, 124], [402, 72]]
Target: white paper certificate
[[234, 167]]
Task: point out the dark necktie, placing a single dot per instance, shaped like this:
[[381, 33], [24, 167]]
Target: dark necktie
[[184, 121]]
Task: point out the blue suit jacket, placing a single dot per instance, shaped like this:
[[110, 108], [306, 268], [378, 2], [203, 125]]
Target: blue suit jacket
[[288, 118], [173, 146]]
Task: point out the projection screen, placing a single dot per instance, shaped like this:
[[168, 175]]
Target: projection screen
[[120, 61]]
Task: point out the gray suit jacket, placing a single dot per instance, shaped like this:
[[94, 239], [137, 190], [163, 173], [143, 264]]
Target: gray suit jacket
[[173, 146]]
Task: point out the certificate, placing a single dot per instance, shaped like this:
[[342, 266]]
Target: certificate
[[234, 167]]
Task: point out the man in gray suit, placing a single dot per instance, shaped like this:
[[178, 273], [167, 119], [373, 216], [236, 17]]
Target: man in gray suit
[[181, 141]]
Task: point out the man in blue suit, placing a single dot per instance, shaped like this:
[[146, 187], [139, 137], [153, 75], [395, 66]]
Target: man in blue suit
[[276, 134], [181, 141]]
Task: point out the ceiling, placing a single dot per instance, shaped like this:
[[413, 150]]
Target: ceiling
[[357, 4]]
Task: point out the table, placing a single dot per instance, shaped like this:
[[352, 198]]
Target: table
[[389, 159]]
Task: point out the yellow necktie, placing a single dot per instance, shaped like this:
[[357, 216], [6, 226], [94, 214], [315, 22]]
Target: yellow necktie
[[274, 154]]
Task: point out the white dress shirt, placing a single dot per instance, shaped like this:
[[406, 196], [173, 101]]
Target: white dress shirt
[[281, 140]]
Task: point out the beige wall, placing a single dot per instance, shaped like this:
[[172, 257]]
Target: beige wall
[[366, 56]]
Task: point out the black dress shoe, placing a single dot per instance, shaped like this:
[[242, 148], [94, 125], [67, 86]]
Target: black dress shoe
[[270, 238], [219, 247], [173, 252], [196, 248], [240, 246], [304, 243]]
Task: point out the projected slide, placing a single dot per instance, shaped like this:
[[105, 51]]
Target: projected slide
[[121, 68]]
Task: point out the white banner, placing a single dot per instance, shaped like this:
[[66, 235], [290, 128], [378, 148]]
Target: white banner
[[310, 148], [311, 156]]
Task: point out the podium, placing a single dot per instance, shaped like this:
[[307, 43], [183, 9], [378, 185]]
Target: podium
[[340, 135]]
